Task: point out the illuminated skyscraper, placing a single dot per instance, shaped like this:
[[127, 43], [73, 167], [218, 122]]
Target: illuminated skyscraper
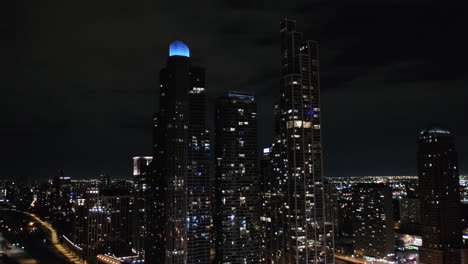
[[60, 206], [439, 195], [179, 209], [237, 214], [110, 221], [141, 178], [300, 230], [373, 234], [266, 173]]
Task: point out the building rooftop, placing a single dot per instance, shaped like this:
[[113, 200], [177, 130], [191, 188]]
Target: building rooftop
[[435, 130], [178, 48], [241, 95]]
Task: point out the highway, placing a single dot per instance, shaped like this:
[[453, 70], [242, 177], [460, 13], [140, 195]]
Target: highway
[[54, 238]]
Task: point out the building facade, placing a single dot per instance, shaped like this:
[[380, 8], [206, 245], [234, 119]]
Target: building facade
[[237, 213], [410, 210], [141, 181], [300, 231], [179, 209], [439, 195], [373, 234]]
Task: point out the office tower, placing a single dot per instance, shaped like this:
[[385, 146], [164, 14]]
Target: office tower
[[179, 207], [237, 214], [373, 234], [439, 197], [307, 236]]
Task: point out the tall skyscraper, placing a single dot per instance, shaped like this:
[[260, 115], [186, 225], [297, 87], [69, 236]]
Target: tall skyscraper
[[237, 214], [307, 236], [60, 206], [179, 209], [266, 173], [141, 181], [373, 234], [439, 197]]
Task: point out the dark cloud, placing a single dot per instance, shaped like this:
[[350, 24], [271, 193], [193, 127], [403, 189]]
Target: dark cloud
[[79, 84]]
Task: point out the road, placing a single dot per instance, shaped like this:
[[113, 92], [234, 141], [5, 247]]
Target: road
[[350, 259], [53, 237], [27, 239]]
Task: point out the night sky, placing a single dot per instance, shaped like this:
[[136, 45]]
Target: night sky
[[78, 93]]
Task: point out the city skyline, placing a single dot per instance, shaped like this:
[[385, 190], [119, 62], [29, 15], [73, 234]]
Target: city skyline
[[82, 89], [203, 132]]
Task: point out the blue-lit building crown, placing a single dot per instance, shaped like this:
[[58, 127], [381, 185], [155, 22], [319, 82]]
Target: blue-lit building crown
[[178, 48], [241, 95], [435, 130]]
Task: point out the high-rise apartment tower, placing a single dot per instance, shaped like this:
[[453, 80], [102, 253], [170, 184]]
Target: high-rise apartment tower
[[237, 214], [439, 196], [179, 209], [300, 230]]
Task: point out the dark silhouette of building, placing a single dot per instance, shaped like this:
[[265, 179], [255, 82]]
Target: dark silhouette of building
[[410, 210], [60, 206], [141, 179], [410, 216], [179, 209], [80, 223], [300, 231], [237, 214], [373, 234], [439, 197], [104, 180]]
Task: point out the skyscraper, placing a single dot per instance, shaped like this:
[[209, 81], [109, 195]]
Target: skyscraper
[[439, 197], [110, 221], [307, 236], [60, 206], [237, 214], [266, 173], [373, 234], [179, 206]]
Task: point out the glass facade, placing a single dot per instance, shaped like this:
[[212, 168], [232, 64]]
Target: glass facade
[[439, 196], [178, 216], [237, 213], [297, 229]]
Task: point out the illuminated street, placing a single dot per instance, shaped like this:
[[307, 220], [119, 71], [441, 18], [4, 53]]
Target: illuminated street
[[54, 238], [25, 241]]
